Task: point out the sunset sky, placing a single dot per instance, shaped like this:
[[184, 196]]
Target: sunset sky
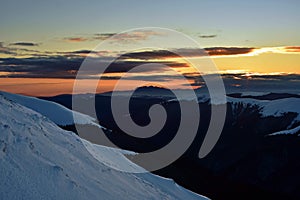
[[43, 43]]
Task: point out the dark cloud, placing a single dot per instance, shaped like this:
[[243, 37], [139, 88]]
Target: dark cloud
[[125, 66], [67, 67], [220, 51], [175, 53], [26, 44], [83, 51], [18, 51], [236, 83], [97, 36], [283, 83], [50, 67], [6, 50], [103, 36], [292, 49], [154, 78], [133, 36], [67, 64], [185, 52], [80, 52], [75, 39], [233, 82], [148, 55], [207, 36]]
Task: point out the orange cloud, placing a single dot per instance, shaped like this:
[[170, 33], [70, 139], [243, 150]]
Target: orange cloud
[[222, 51], [295, 49], [76, 39]]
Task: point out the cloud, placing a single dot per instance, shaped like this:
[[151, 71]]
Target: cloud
[[186, 52], [75, 39], [148, 55], [159, 66], [233, 82], [103, 36], [207, 36], [80, 52], [41, 67], [89, 53], [97, 36], [151, 77], [221, 51], [67, 67], [172, 53], [11, 50], [280, 82], [66, 64], [27, 44], [247, 82], [133, 36], [6, 50], [292, 49], [278, 50]]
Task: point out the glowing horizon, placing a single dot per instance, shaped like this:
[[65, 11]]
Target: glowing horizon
[[42, 51]]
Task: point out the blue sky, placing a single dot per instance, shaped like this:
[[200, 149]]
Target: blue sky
[[256, 23]]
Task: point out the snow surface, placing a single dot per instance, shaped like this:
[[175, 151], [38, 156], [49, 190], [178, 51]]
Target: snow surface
[[39, 160], [55, 112], [254, 94], [287, 132], [275, 108]]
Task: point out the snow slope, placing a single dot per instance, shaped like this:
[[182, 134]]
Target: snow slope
[[293, 131], [41, 161], [268, 107], [272, 107], [56, 112]]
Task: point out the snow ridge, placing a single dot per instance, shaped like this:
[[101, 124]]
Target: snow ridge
[[54, 111], [39, 160], [275, 108], [293, 131]]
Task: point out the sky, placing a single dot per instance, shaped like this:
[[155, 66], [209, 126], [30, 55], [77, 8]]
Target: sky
[[43, 43]]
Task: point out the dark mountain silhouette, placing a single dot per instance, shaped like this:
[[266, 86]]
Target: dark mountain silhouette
[[246, 163]]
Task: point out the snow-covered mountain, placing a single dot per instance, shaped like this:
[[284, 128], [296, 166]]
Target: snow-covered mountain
[[272, 107], [275, 107], [268, 108], [247, 162], [41, 161], [55, 112]]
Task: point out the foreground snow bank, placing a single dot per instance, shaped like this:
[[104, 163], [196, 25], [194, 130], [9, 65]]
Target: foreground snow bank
[[41, 161]]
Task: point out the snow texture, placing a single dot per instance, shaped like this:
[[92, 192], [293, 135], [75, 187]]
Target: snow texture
[[39, 160], [55, 112], [293, 131], [275, 108]]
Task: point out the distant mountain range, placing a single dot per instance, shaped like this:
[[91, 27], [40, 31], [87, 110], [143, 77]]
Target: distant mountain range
[[257, 155]]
